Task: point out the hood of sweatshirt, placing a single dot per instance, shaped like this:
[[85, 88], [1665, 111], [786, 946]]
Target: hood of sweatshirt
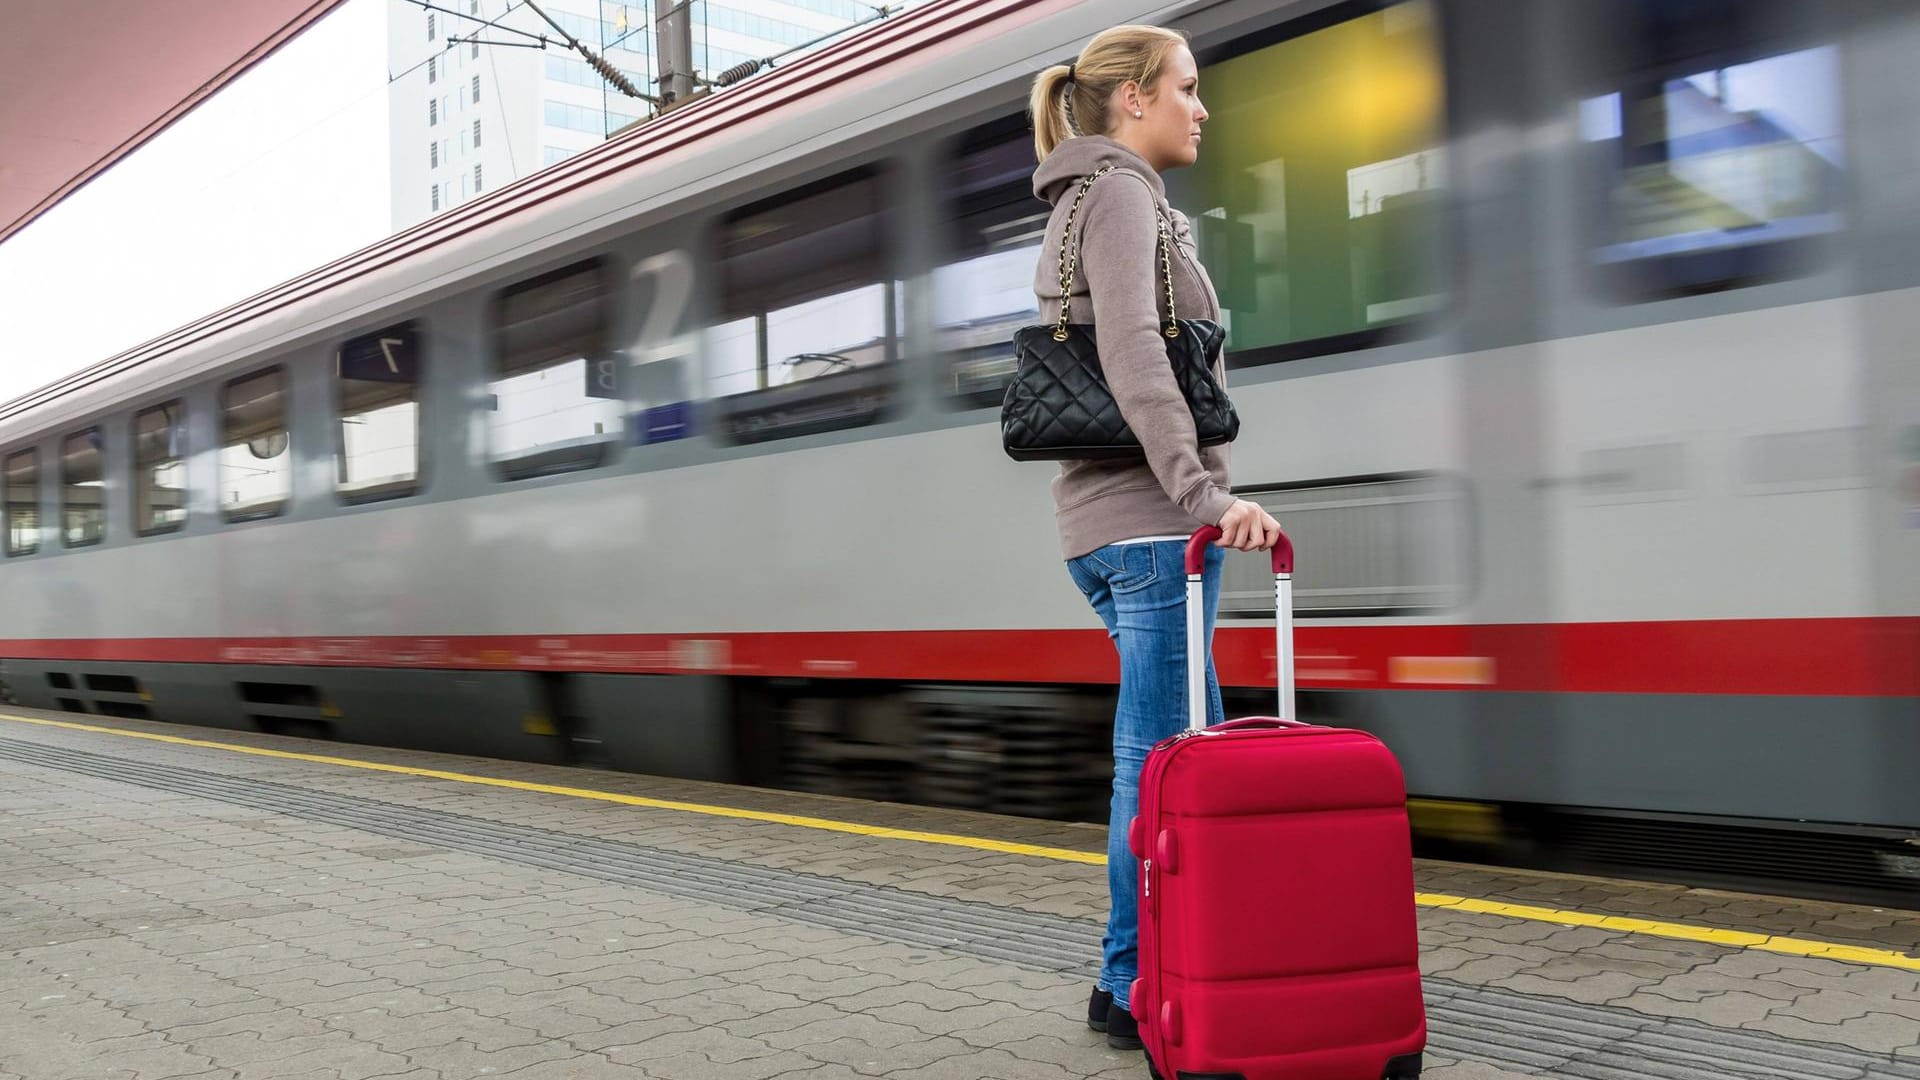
[[1074, 159]]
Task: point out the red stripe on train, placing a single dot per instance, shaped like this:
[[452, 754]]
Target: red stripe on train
[[1878, 657]]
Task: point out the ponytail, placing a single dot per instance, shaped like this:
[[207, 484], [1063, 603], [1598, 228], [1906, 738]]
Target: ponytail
[[1048, 106], [1073, 99]]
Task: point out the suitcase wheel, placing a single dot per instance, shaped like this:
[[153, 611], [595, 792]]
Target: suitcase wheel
[[1404, 1068]]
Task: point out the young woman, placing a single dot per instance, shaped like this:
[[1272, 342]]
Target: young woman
[[1131, 100]]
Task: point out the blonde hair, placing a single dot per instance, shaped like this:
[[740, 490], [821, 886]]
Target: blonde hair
[[1115, 57]]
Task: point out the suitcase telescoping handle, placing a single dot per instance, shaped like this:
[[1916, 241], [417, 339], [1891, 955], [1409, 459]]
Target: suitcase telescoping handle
[[1197, 623]]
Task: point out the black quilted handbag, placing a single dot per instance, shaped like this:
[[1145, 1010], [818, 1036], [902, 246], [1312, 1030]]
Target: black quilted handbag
[[1058, 405]]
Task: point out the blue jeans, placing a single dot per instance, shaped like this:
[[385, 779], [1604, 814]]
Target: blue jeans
[[1140, 593]]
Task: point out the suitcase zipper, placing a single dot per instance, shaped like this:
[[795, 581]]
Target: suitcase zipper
[[1157, 761]]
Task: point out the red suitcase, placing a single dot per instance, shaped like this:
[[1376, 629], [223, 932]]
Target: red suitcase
[[1277, 927]]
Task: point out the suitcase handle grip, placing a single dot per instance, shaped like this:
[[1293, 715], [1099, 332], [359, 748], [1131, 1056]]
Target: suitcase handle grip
[[1207, 534], [1247, 722]]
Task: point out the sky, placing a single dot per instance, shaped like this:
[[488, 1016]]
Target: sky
[[285, 169]]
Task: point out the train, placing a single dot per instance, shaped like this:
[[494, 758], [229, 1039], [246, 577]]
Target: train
[[1573, 344]]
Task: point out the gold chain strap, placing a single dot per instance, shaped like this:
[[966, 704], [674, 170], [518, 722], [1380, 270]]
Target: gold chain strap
[[1070, 254], [1070, 260], [1166, 266]]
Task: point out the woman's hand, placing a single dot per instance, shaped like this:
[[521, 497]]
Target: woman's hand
[[1248, 527]]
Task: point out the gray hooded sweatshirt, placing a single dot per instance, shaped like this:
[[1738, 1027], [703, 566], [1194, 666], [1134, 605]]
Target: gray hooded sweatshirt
[[1118, 287]]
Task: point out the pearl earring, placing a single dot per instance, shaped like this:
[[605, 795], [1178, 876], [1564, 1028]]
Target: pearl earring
[[1137, 114]]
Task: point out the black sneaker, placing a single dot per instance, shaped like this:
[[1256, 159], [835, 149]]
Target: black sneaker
[[1097, 1007], [1123, 1031]]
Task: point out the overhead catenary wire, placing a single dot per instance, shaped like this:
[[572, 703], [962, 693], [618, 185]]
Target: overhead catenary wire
[[746, 68], [594, 60], [493, 22], [485, 24], [742, 70]]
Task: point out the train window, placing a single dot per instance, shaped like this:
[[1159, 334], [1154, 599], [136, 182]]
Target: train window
[[160, 469], [556, 394], [1388, 545], [83, 489], [1317, 201], [20, 488], [377, 398], [256, 469], [983, 292], [811, 314], [1714, 144]]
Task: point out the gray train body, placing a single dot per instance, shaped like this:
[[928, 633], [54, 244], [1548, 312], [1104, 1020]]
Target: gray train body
[[1560, 456]]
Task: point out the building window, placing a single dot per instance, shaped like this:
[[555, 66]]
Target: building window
[[429, 26], [433, 70], [476, 178], [20, 486], [256, 471], [433, 154], [555, 394], [579, 118], [433, 114], [160, 469], [476, 134], [83, 489], [475, 54], [476, 89], [435, 198], [473, 7], [377, 392]]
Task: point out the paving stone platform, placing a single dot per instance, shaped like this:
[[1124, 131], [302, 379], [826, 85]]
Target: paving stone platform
[[171, 910]]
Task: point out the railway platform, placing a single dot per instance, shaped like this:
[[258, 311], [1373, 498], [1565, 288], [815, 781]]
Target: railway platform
[[182, 902]]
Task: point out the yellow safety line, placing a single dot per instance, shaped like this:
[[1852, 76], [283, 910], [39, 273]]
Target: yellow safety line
[[980, 843], [1735, 939]]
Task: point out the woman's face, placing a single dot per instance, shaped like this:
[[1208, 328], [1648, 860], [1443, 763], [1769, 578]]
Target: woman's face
[[1168, 130]]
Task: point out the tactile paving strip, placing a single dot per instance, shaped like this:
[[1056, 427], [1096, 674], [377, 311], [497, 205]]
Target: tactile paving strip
[[1538, 1035], [1028, 939]]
